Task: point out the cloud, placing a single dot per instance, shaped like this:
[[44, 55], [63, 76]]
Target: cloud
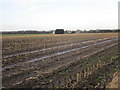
[[55, 13], [33, 8], [51, 1], [18, 1], [29, 1]]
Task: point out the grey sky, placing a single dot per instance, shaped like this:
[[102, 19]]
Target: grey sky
[[52, 14]]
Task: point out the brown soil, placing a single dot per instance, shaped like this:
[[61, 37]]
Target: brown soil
[[59, 70], [23, 72], [115, 81]]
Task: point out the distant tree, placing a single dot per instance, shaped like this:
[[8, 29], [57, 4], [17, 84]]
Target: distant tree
[[59, 31], [85, 31], [73, 32]]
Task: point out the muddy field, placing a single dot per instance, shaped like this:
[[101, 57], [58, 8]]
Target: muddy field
[[59, 61]]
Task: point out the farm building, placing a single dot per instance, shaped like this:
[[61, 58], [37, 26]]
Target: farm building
[[59, 31]]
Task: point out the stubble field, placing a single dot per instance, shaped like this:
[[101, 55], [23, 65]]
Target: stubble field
[[86, 60]]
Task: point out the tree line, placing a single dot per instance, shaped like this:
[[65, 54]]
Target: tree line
[[27, 32], [66, 31]]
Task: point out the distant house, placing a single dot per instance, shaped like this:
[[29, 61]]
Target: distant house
[[67, 32], [59, 31], [53, 32], [78, 31]]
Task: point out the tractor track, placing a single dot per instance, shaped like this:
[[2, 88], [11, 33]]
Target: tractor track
[[57, 54], [30, 73], [60, 46], [46, 52], [11, 78], [52, 63]]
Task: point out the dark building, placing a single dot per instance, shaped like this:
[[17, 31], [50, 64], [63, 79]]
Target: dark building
[[59, 31]]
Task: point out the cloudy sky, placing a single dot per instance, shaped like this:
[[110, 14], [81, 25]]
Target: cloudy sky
[[52, 14]]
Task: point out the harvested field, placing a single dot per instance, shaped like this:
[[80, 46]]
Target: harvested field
[[59, 61]]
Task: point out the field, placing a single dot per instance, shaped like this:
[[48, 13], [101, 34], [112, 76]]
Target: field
[[87, 60], [21, 34]]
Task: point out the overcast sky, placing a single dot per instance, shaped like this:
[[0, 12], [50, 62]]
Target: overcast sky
[[53, 14]]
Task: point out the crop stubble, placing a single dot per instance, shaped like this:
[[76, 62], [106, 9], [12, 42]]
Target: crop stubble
[[53, 71]]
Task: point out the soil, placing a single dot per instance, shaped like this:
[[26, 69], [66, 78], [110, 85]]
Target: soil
[[59, 70], [115, 81]]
